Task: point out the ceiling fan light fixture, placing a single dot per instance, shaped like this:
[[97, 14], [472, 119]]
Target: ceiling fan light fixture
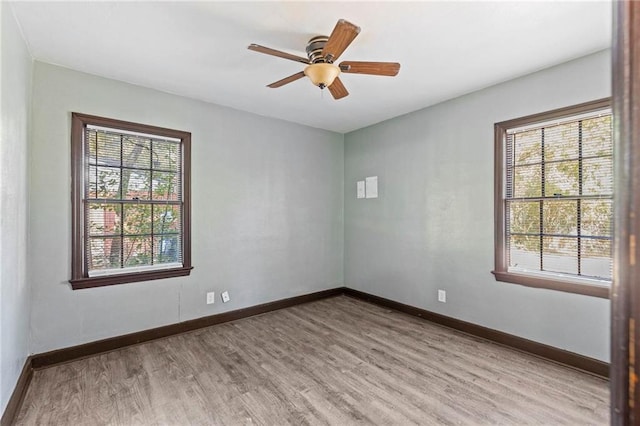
[[322, 75]]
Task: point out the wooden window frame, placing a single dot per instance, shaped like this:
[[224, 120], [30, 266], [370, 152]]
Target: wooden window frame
[[80, 278], [501, 272]]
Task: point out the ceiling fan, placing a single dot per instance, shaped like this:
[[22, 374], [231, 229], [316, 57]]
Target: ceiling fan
[[322, 51]]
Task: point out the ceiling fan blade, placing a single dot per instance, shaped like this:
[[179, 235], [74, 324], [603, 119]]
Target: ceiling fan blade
[[373, 68], [287, 80], [341, 37], [278, 53], [337, 89]]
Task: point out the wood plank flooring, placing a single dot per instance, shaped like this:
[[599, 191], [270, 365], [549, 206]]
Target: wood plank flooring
[[338, 361]]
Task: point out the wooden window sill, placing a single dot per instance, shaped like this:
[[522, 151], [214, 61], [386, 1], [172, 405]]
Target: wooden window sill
[[552, 284], [101, 281]]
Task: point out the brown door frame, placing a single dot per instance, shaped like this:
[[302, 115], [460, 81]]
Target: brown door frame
[[625, 292]]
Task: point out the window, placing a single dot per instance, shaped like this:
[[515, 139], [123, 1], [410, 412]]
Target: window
[[554, 199], [131, 206]]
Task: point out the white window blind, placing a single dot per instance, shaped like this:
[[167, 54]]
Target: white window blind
[[559, 197], [133, 201]]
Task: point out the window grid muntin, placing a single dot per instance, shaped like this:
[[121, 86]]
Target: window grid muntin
[[90, 131], [510, 185]]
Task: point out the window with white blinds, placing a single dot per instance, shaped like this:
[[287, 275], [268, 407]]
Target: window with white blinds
[[133, 215], [556, 198]]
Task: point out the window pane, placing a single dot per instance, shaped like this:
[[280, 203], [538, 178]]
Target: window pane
[[104, 182], [166, 155], [136, 152], [136, 184], [597, 176], [524, 252], [560, 217], [104, 219], [560, 254], [596, 258], [597, 136], [92, 143], [524, 217], [527, 147], [167, 249], [165, 186], [137, 251], [596, 217], [527, 181], [166, 219], [137, 219], [91, 186], [108, 149], [561, 142], [562, 178], [104, 253]]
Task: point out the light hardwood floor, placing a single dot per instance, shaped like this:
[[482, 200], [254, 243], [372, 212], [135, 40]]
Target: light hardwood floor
[[338, 361]]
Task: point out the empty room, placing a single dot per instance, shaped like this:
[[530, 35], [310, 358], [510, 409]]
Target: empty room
[[393, 213]]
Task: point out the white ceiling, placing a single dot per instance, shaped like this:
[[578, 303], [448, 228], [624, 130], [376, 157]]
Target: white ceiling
[[199, 49]]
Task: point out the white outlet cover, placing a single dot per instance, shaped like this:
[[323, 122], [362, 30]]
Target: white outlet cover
[[211, 297], [442, 296], [225, 296]]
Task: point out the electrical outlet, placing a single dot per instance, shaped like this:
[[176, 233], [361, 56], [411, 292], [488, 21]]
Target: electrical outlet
[[225, 297], [211, 297], [442, 296]]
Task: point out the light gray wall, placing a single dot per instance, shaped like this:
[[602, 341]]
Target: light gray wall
[[267, 211], [15, 302], [432, 225]]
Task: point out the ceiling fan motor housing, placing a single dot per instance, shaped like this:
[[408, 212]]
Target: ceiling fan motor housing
[[314, 49]]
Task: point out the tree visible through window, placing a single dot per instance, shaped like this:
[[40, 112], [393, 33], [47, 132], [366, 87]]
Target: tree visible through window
[[130, 202], [555, 203]]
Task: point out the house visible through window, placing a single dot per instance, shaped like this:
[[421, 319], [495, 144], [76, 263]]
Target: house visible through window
[[554, 199], [131, 202]]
